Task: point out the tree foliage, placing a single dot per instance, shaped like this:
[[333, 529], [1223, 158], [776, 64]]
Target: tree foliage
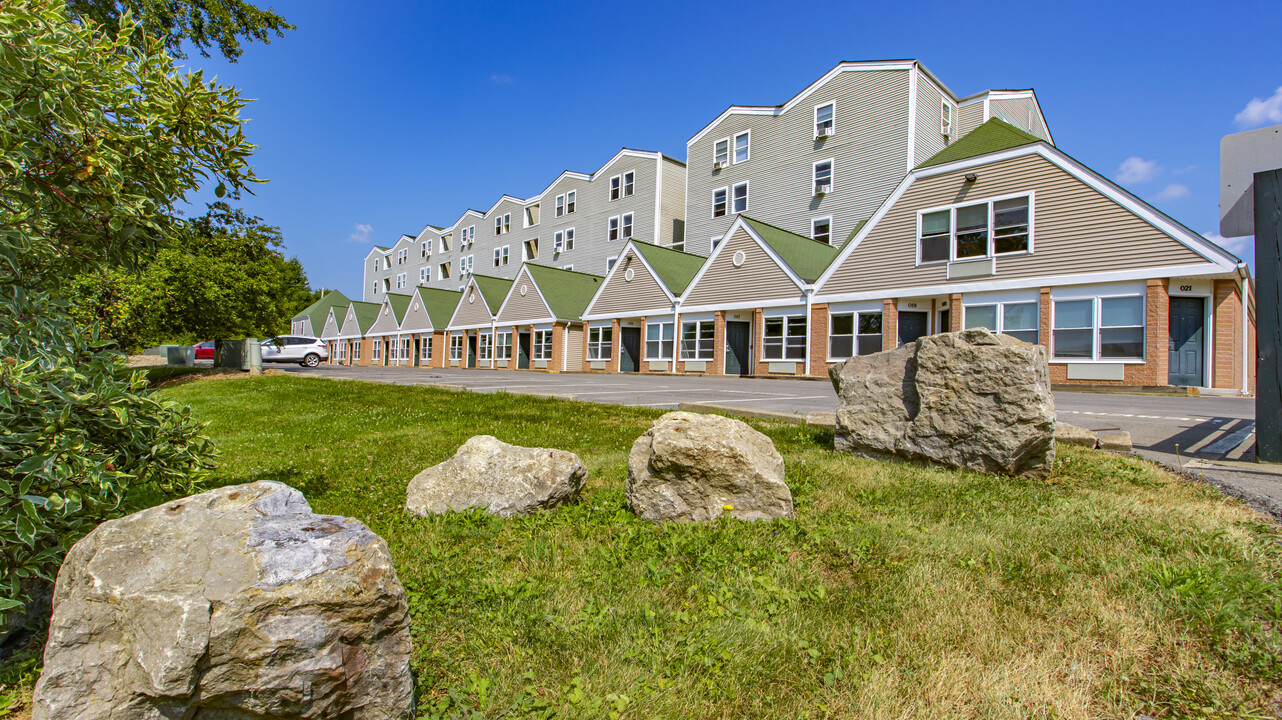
[[101, 140], [203, 23]]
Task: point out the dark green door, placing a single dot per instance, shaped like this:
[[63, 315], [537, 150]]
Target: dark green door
[[630, 349], [523, 351], [912, 325], [471, 351], [738, 359], [1186, 346]]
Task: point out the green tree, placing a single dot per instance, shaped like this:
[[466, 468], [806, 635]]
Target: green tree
[[203, 23]]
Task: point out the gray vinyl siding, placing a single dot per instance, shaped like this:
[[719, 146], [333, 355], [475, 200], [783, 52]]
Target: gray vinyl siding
[[518, 309], [620, 297], [929, 138], [416, 318], [351, 328], [574, 347], [672, 206], [1022, 113], [331, 328], [471, 313], [593, 208], [386, 322], [1076, 230], [869, 149], [760, 278], [969, 117]]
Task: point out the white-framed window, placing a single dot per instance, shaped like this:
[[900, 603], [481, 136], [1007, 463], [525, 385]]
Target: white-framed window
[[616, 187], [600, 343], [500, 255], [825, 116], [425, 274], [853, 333], [626, 232], [721, 153], [740, 198], [629, 183], [377, 354], [465, 264], [530, 249], [720, 201], [658, 340], [999, 226], [444, 270], [784, 338], [425, 347], [503, 345], [387, 262], [393, 345], [823, 177], [456, 346], [558, 242], [406, 350], [375, 287], [376, 263], [560, 205], [697, 339], [1098, 328], [427, 248], [532, 216], [742, 141], [716, 240], [612, 229], [503, 224], [946, 118], [679, 245], [569, 239], [445, 242], [821, 229], [484, 346], [400, 280], [570, 201], [356, 351], [402, 256], [542, 346], [342, 350], [1017, 319], [387, 284], [469, 237], [610, 263]]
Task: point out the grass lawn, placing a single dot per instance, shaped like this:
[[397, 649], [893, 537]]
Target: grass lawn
[[897, 591]]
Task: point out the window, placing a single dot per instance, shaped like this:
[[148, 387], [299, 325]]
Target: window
[[981, 230], [444, 270], [375, 264], [484, 346], [469, 237], [392, 346], [741, 147], [610, 263], [424, 274], [456, 347], [600, 343], [387, 263], [542, 345], [569, 239], [946, 118], [721, 153], [558, 242], [400, 280], [466, 264], [569, 201], [356, 351], [851, 334], [719, 201], [629, 183], [532, 216], [378, 350], [560, 205], [500, 255], [824, 120], [658, 341], [823, 177], [425, 347], [697, 339], [821, 230], [616, 186], [1017, 319], [612, 233], [627, 226], [375, 287], [427, 248], [716, 240], [402, 256], [785, 338], [531, 249], [387, 284], [445, 243], [503, 224], [342, 351], [567, 267], [741, 197], [503, 345], [679, 245], [1101, 328]]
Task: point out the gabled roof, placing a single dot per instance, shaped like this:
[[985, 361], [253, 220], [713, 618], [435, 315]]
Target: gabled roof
[[493, 290], [808, 258], [993, 136], [319, 310], [400, 303], [674, 268], [366, 313], [439, 303], [854, 231], [566, 292]]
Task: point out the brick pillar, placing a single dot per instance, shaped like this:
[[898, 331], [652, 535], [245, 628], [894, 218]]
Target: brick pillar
[[643, 365], [1226, 362], [889, 324], [616, 347], [954, 312], [760, 367], [819, 340], [367, 351], [558, 347], [1058, 373], [717, 366], [1155, 370]]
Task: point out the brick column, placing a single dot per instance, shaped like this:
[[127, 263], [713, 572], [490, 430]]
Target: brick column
[[818, 340], [954, 312], [717, 365], [558, 347], [1155, 370], [889, 324], [1226, 346], [643, 365], [760, 367], [367, 351], [1059, 373], [616, 347], [584, 363]]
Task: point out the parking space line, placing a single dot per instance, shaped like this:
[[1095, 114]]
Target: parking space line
[[1230, 441]]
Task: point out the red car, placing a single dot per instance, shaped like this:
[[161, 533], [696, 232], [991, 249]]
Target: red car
[[205, 350]]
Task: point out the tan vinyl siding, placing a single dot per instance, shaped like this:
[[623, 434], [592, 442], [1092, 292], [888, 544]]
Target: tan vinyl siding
[[620, 297], [869, 149], [1022, 113], [574, 348], [969, 117], [1076, 230], [416, 320], [672, 206], [760, 278], [929, 138], [520, 309], [471, 313], [386, 321]]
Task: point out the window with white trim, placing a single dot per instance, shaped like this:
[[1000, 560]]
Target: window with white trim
[[946, 118], [610, 263], [425, 347], [356, 351], [425, 274], [697, 339], [387, 262], [679, 245], [1098, 328], [716, 240], [721, 153], [342, 351], [612, 229], [626, 232], [484, 346], [503, 345], [444, 270], [824, 116], [445, 242], [387, 284], [532, 216], [854, 333], [530, 250], [967, 232], [741, 146], [456, 346], [741, 198], [1017, 319], [503, 224], [375, 287], [560, 205], [401, 280], [469, 237], [629, 183], [784, 338], [569, 239], [569, 201], [376, 260], [821, 229], [427, 248], [600, 343], [616, 187], [658, 340], [542, 346], [378, 350], [719, 203], [501, 255], [823, 177], [466, 264], [393, 345], [402, 255]]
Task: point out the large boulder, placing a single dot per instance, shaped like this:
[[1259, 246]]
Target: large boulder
[[235, 603], [504, 479], [970, 399], [690, 467]]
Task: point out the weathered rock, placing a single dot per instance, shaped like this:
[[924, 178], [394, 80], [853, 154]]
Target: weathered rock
[[505, 479], [692, 467], [235, 603], [1073, 435], [1116, 442], [971, 399]]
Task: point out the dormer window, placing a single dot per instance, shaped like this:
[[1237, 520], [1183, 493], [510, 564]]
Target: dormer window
[[824, 115]]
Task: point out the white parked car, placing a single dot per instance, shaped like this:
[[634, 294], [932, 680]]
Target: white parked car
[[306, 351]]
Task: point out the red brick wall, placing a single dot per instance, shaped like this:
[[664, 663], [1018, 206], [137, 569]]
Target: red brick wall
[[717, 366], [954, 312], [616, 349], [889, 325], [1226, 362], [559, 338], [818, 340]]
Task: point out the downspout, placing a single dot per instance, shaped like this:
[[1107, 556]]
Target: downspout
[[810, 296]]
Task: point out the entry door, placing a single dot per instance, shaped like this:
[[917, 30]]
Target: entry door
[[943, 322], [418, 350], [738, 359], [471, 351], [912, 325], [630, 349], [523, 351], [1186, 341]]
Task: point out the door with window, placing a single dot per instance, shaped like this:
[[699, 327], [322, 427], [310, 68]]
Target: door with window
[[738, 357], [629, 349], [912, 325], [1186, 346], [523, 351]]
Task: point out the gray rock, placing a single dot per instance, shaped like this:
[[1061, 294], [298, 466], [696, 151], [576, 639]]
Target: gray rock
[[690, 467], [1116, 442], [1073, 435], [970, 399], [505, 479], [235, 603]]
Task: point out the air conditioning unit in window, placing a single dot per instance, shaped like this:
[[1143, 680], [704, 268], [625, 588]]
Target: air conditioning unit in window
[[720, 164], [823, 189], [824, 132]]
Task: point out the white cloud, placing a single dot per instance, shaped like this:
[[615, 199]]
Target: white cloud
[[361, 233], [1172, 191], [1243, 247], [1261, 112], [1137, 170], [501, 79], [1185, 169]]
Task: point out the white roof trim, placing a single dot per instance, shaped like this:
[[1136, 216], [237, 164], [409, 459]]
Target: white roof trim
[[378, 250], [513, 289], [740, 222]]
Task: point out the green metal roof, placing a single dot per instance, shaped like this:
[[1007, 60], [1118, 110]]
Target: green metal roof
[[493, 290], [567, 292], [990, 137], [675, 268], [319, 310], [440, 304], [807, 257], [400, 303], [366, 313]]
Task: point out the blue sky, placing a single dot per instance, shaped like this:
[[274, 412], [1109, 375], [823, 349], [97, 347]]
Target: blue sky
[[375, 119]]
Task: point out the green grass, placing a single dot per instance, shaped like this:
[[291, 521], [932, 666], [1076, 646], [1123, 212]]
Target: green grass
[[897, 591]]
